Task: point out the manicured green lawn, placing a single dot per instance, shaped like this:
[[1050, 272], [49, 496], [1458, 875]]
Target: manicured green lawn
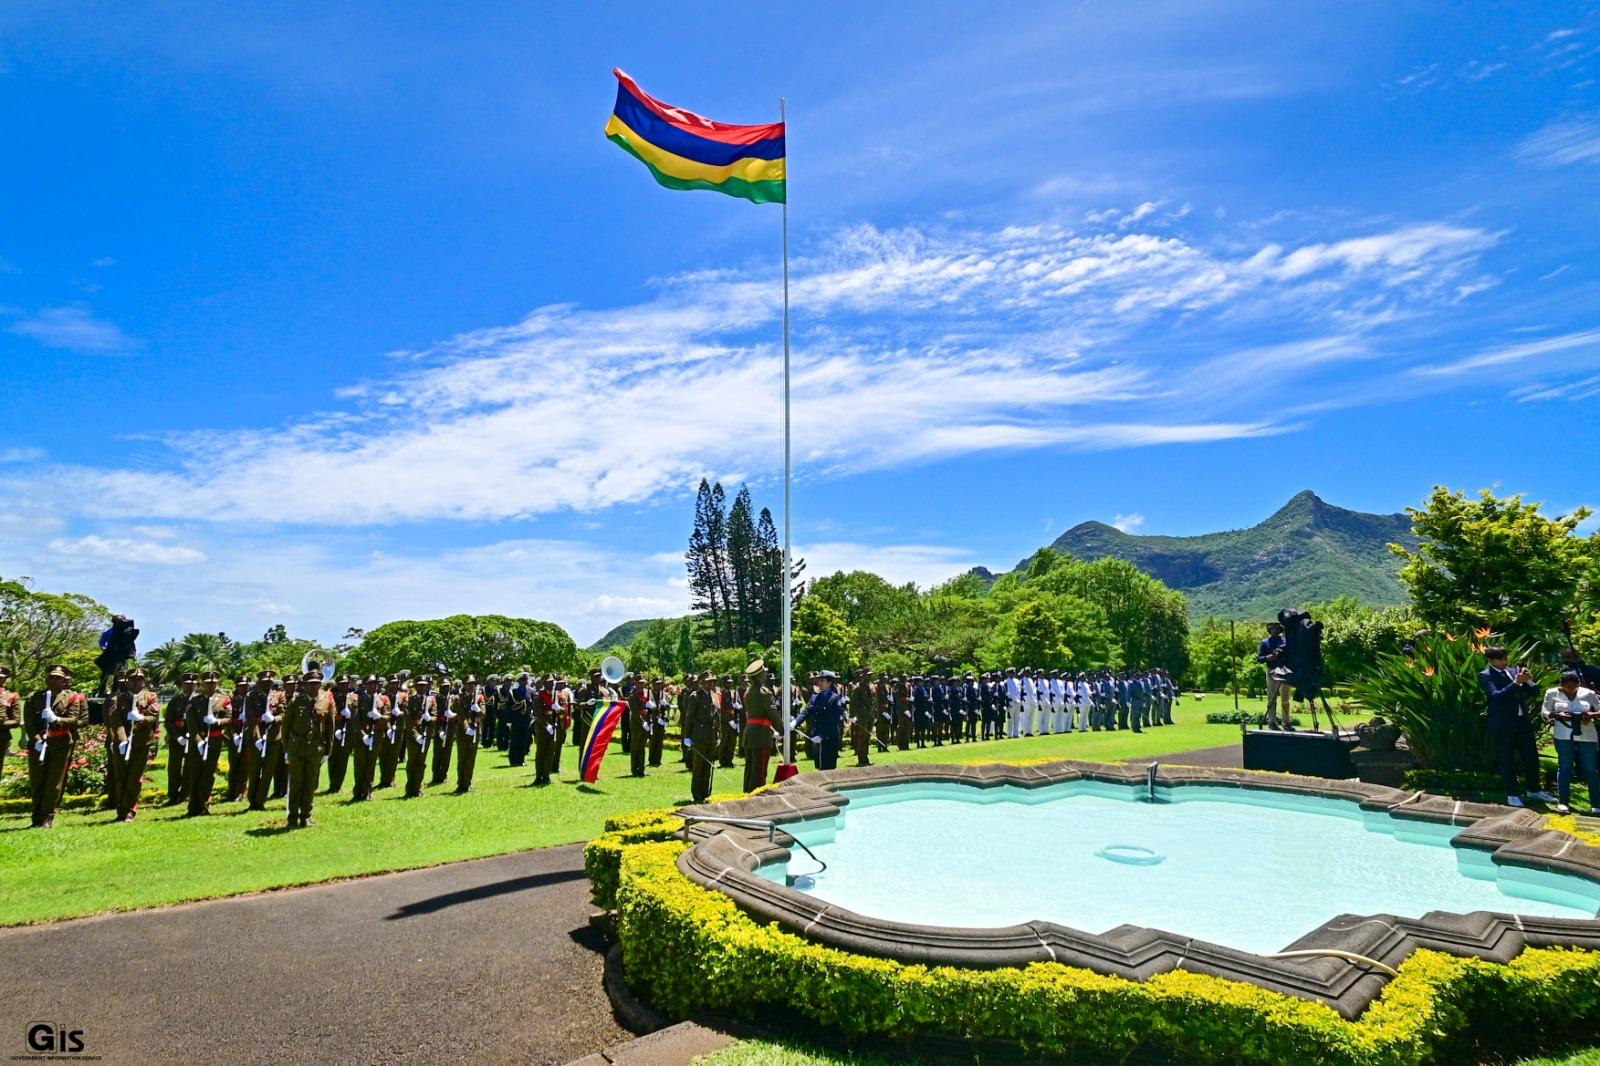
[[89, 863]]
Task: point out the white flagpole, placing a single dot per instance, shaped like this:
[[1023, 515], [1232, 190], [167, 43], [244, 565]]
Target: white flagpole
[[788, 502]]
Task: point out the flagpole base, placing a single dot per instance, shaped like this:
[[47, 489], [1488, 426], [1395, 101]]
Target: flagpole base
[[786, 770]]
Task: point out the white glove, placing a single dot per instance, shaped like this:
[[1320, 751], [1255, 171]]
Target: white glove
[[209, 719], [449, 715], [650, 705], [344, 712], [47, 716], [268, 718], [134, 717], [426, 717], [372, 715]]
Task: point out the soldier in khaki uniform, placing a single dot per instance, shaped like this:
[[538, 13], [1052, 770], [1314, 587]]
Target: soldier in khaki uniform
[[113, 731], [280, 765], [307, 736], [657, 709], [10, 713], [700, 729], [760, 726], [883, 712], [638, 724], [239, 746], [444, 732], [392, 740], [545, 710], [261, 739], [51, 719], [345, 737], [470, 713], [371, 722], [175, 721], [421, 711], [138, 730], [209, 718], [863, 697], [904, 713]]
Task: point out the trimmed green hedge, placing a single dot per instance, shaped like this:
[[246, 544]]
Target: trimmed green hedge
[[1243, 718], [689, 950]]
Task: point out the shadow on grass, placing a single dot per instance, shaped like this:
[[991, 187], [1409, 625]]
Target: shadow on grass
[[267, 831]]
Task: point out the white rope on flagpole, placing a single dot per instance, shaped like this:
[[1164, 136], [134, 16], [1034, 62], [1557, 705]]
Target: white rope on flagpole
[[788, 502]]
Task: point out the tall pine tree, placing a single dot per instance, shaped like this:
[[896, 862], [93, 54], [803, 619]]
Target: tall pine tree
[[702, 560], [742, 567]]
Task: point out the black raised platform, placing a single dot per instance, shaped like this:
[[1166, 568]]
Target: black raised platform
[[1312, 754]]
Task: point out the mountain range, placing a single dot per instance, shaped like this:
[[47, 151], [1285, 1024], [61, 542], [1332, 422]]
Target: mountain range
[[1308, 551]]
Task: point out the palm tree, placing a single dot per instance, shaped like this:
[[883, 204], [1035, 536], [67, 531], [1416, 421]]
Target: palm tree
[[165, 664]]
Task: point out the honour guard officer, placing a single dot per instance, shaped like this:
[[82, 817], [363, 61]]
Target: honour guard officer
[[470, 707], [657, 707], [638, 717], [545, 710], [345, 731], [862, 702], [176, 721], [421, 711], [10, 713], [883, 712], [955, 697], [208, 717], [261, 735], [519, 713], [51, 719], [289, 687], [444, 732], [921, 710], [937, 698], [1139, 701], [589, 702], [138, 733], [391, 737], [728, 715], [903, 719], [238, 769], [372, 715], [700, 728], [307, 736], [972, 700], [563, 704], [826, 715], [491, 711], [112, 731], [760, 725]]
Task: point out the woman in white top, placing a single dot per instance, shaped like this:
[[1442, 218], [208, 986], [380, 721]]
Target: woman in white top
[[1573, 711]]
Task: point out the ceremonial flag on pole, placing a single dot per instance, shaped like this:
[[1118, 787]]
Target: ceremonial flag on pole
[[687, 151], [599, 738]]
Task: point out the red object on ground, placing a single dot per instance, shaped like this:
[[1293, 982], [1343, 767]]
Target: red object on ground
[[786, 770]]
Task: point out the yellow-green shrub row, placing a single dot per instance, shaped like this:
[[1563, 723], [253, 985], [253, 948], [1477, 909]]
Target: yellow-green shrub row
[[689, 950]]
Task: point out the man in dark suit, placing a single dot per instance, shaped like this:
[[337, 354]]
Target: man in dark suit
[[826, 715], [1509, 693]]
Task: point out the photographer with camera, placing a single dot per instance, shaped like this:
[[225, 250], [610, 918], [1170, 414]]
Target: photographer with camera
[[1572, 710], [1508, 693], [1273, 654]]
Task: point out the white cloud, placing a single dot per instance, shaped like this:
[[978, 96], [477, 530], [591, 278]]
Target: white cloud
[[20, 455], [126, 550], [1563, 143], [1128, 523], [920, 564], [1516, 353], [912, 345], [74, 329]]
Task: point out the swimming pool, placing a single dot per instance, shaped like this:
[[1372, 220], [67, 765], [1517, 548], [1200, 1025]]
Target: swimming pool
[[1250, 869]]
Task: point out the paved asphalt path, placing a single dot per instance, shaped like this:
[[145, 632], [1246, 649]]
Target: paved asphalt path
[[490, 961]]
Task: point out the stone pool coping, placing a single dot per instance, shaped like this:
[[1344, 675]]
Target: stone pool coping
[[725, 857]]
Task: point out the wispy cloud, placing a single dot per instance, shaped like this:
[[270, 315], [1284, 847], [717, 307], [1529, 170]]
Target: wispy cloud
[[912, 345], [74, 329], [1566, 142], [21, 455], [1128, 523], [1517, 353], [126, 550]]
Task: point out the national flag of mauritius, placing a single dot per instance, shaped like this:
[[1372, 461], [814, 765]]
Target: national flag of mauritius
[[686, 151]]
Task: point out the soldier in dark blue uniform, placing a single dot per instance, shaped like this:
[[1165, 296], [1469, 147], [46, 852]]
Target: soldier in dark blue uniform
[[921, 710], [826, 716], [941, 709], [955, 695], [974, 703]]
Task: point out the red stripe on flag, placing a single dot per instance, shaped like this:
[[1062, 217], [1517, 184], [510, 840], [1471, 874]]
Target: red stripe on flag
[[699, 125], [600, 733]]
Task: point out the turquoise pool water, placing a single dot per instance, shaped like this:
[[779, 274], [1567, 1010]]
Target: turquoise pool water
[[1250, 870]]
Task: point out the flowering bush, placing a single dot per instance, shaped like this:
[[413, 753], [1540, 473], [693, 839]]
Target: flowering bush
[[1432, 694]]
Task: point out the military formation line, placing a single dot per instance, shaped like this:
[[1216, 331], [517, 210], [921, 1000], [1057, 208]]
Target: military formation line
[[270, 738]]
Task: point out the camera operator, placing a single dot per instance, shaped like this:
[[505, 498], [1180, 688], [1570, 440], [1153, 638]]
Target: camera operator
[[1572, 710], [1273, 654], [1508, 693]]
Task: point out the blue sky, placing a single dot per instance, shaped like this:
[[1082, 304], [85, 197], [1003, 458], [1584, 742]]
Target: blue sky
[[335, 314]]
